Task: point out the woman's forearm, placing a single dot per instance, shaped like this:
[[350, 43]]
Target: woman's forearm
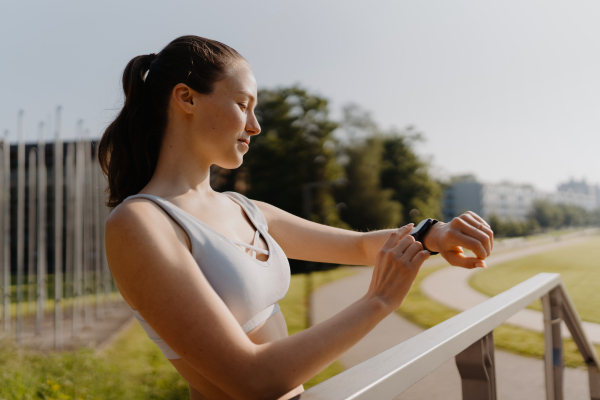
[[371, 243], [271, 370], [289, 362]]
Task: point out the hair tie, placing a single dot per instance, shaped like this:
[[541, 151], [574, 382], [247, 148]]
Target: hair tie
[[153, 57]]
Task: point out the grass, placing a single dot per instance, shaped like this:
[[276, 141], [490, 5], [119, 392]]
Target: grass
[[578, 265], [294, 309], [426, 313], [132, 368]]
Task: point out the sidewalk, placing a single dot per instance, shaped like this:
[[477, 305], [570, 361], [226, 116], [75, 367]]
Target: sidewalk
[[450, 287], [518, 378]]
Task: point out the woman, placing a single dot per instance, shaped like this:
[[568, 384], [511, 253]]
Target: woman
[[203, 270]]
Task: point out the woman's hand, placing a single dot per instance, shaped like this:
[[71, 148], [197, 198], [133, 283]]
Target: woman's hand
[[469, 231], [396, 267]]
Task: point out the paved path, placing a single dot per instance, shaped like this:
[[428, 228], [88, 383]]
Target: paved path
[[450, 286], [518, 378]]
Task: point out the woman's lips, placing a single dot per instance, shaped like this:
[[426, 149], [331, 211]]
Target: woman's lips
[[246, 143]]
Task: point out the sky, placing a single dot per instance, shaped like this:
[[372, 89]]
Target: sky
[[505, 90]]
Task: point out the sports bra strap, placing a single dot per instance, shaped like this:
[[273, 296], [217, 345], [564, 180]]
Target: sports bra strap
[[254, 248]]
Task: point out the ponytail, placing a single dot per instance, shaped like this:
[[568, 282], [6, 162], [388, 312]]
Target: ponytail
[[129, 148]]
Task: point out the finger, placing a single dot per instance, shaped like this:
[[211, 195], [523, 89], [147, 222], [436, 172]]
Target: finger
[[396, 236], [412, 250], [458, 259], [478, 218], [420, 258], [402, 245], [458, 239], [486, 228], [465, 225]]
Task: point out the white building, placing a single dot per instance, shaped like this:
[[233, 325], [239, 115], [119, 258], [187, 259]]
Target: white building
[[508, 200]]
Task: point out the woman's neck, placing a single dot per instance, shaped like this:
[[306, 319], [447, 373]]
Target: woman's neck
[[178, 172]]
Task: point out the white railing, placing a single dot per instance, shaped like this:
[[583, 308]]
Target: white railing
[[468, 337]]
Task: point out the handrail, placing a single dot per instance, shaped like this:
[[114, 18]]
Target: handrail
[[391, 372]]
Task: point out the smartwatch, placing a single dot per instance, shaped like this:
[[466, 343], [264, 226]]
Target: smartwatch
[[421, 230]]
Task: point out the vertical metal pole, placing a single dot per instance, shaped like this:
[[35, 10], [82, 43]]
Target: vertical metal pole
[[476, 365], [87, 236], [31, 232], [58, 234], [2, 206], [6, 243], [69, 159], [20, 223], [107, 278], [553, 352], [97, 245], [308, 286], [42, 233], [78, 229]]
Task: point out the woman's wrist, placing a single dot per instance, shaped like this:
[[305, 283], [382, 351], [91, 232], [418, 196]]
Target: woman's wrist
[[378, 305], [432, 238]]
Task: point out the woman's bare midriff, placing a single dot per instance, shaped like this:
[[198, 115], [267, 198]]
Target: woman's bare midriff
[[202, 389]]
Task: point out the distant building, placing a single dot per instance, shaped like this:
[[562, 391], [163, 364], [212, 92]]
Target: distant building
[[511, 201], [581, 187]]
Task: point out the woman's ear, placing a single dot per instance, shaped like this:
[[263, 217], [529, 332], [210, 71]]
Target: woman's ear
[[183, 96]]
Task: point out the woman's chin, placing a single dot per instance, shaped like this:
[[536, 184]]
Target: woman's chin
[[231, 164]]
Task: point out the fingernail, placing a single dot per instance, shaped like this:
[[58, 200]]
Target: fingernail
[[480, 264]]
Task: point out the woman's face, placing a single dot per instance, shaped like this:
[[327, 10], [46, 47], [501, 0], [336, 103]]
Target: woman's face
[[224, 120]]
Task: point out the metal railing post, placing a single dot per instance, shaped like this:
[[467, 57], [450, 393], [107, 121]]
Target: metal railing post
[[573, 322], [476, 366], [553, 352]]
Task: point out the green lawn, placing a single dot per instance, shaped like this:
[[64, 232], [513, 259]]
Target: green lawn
[[579, 266], [132, 368], [425, 312]]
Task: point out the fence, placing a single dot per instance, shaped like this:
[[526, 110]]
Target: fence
[[52, 204], [468, 337]]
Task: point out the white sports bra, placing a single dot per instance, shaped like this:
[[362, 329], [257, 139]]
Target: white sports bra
[[249, 287]]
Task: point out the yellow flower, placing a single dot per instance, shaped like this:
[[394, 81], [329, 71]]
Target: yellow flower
[[55, 387]]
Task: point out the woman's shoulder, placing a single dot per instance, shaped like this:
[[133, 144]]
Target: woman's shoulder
[[138, 216], [253, 207], [131, 211]]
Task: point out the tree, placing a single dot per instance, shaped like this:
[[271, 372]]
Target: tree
[[389, 183], [548, 215], [368, 205], [408, 176]]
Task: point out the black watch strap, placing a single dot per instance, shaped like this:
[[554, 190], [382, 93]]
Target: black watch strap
[[421, 230]]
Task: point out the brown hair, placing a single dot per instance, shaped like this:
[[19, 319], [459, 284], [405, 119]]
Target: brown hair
[[128, 150]]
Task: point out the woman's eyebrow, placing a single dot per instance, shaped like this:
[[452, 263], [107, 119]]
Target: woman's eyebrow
[[247, 93]]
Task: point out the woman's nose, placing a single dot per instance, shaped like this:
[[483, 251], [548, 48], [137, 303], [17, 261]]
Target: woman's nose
[[252, 125]]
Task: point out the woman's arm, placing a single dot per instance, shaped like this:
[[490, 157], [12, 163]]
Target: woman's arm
[[305, 240], [154, 270]]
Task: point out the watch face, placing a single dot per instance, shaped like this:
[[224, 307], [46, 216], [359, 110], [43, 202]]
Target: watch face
[[417, 228]]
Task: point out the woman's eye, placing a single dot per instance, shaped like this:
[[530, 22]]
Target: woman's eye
[[242, 106]]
